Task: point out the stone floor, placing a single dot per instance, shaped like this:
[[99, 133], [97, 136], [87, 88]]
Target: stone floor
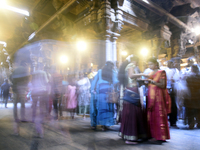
[[68, 134]]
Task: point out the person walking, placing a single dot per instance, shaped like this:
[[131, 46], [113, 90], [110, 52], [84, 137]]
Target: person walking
[[5, 87], [39, 94], [20, 78]]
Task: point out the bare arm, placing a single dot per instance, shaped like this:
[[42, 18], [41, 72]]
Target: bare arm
[[132, 75], [161, 83]]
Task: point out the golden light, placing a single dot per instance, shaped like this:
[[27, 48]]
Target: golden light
[[196, 30], [91, 64], [4, 5], [144, 51], [63, 59], [124, 53], [81, 45]]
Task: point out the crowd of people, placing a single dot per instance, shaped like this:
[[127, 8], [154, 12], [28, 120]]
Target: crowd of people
[[144, 104]]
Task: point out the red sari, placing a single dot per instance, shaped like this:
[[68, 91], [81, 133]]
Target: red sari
[[160, 102]]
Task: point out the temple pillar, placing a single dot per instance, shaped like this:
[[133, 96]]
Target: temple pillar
[[160, 38], [107, 22]]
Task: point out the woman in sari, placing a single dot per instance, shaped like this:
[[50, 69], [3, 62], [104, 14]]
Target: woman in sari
[[71, 96], [132, 123], [158, 104], [101, 112]]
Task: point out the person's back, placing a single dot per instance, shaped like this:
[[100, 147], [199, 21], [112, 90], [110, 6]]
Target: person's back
[[20, 79], [56, 84], [56, 91], [5, 88], [193, 83], [39, 82]]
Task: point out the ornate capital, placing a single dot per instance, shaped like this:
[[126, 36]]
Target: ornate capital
[[105, 19]]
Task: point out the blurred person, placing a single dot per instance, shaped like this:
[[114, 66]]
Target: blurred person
[[5, 88], [187, 70], [71, 96], [56, 90], [132, 124], [83, 94], [158, 104], [192, 103], [20, 78], [39, 94], [91, 75], [183, 92], [171, 73], [49, 93], [101, 112], [180, 90]]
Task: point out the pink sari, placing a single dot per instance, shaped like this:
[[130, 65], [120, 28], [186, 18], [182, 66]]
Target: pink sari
[[71, 97], [160, 102]]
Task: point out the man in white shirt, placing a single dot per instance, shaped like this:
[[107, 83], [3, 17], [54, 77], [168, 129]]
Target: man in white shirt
[[172, 76]]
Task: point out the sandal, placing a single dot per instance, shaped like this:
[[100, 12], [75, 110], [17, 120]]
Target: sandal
[[152, 140], [94, 128], [104, 128]]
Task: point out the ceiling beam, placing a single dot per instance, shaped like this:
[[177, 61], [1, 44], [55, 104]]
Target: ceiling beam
[[66, 6], [160, 11]]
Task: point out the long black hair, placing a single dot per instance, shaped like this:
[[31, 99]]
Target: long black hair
[[107, 71], [154, 60], [122, 74]]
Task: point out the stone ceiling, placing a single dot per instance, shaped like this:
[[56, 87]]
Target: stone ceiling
[[15, 28]]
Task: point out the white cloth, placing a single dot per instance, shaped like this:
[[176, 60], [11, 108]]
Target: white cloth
[[172, 74], [147, 71]]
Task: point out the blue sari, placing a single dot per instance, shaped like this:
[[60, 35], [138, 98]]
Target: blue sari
[[101, 112]]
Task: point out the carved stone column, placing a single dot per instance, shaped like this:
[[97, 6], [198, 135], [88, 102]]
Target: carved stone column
[[114, 49], [158, 37], [107, 22]]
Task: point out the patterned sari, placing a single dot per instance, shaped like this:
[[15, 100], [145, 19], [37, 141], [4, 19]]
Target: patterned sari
[[160, 102], [101, 112]]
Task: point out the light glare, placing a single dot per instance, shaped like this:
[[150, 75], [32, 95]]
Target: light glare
[[5, 6], [124, 53], [3, 3], [4, 43], [144, 51], [196, 30], [146, 1], [63, 59], [31, 36], [81, 45]]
